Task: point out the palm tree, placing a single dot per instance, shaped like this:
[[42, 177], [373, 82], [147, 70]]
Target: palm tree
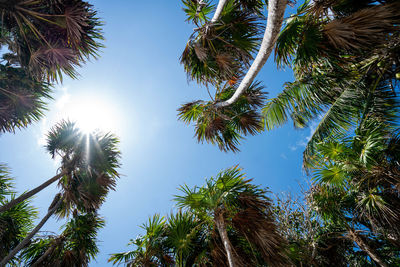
[[230, 205], [179, 240], [227, 220], [16, 222], [75, 246], [340, 58], [88, 164], [54, 206], [50, 37], [345, 65], [150, 249], [21, 98], [226, 126], [356, 187], [84, 160], [219, 52], [219, 48], [188, 239], [42, 39]]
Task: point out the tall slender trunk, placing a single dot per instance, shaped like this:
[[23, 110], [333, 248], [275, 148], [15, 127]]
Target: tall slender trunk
[[53, 207], [218, 11], [276, 11], [220, 223], [364, 246], [28, 194], [48, 252]]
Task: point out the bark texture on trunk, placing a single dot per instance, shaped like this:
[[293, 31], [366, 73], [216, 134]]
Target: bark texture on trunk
[[218, 11], [47, 253], [364, 246], [29, 194], [56, 203], [220, 223], [276, 11]]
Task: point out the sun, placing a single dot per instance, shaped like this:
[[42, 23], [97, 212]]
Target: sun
[[91, 113]]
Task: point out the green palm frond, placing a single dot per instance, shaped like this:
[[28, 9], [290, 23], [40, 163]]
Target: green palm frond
[[95, 152], [327, 201], [16, 222], [150, 249], [196, 11], [298, 42], [185, 236], [75, 246], [6, 182], [372, 204], [220, 190], [351, 108], [338, 119], [218, 52], [226, 126], [22, 98], [51, 38], [91, 162], [331, 175]]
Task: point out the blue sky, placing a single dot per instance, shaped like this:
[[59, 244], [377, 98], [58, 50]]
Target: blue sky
[[138, 83]]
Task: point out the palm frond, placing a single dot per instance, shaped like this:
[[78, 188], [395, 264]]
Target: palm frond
[[226, 126]]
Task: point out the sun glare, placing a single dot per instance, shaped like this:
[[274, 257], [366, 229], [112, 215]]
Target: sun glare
[[90, 114]]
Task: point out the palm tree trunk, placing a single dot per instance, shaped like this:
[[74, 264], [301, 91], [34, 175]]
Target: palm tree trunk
[[364, 246], [28, 194], [220, 223], [218, 11], [53, 207], [47, 253], [276, 11]]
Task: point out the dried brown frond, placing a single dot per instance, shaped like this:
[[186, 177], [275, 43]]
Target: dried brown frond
[[256, 223], [218, 253], [47, 60], [225, 62], [250, 123], [201, 52], [363, 29], [75, 22], [320, 7], [216, 125]]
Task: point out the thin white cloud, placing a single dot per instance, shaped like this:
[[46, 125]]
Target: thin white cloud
[[63, 100], [302, 143]]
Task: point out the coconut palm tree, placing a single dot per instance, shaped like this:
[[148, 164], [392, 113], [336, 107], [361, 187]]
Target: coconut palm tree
[[337, 52], [88, 164], [75, 246], [345, 60], [16, 222], [357, 188], [230, 205], [84, 160]]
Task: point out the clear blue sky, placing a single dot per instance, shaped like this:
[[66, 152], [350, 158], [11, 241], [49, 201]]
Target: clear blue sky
[[138, 79]]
